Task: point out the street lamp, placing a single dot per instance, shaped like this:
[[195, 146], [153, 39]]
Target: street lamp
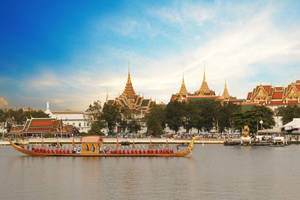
[[261, 123]]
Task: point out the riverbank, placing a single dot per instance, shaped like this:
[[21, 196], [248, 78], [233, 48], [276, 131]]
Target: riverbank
[[121, 140]]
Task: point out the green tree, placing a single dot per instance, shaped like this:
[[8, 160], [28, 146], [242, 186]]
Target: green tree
[[204, 114], [96, 127], [288, 113], [252, 118], [225, 115], [95, 109], [19, 116], [123, 125], [134, 126], [155, 120], [187, 120], [175, 115], [111, 115]]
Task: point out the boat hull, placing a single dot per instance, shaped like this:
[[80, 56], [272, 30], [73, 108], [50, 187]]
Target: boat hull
[[95, 154]]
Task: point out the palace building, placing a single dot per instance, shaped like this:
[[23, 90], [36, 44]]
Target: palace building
[[78, 119], [275, 97], [204, 92], [131, 100]]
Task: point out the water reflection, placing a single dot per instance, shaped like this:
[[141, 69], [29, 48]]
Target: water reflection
[[213, 172]]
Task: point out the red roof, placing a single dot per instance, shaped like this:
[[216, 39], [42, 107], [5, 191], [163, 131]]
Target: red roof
[[277, 95], [278, 88], [262, 102], [41, 123], [276, 102], [298, 87], [267, 88], [249, 95], [293, 101], [43, 126]]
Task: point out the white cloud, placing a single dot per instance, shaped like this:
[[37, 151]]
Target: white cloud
[[45, 80], [246, 47]]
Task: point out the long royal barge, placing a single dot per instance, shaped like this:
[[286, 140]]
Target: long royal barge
[[92, 146]]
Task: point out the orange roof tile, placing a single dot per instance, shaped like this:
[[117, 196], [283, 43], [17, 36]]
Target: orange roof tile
[[277, 95], [293, 101]]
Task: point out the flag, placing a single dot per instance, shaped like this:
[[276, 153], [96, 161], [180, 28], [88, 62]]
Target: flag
[[73, 143], [117, 144], [150, 145]]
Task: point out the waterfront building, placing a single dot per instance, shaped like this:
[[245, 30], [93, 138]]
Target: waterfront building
[[78, 119], [129, 99], [274, 96]]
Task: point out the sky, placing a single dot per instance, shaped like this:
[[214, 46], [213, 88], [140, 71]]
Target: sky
[[71, 52]]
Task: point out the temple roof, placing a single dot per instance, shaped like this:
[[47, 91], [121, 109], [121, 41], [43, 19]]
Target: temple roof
[[204, 90], [183, 90], [129, 91], [225, 94], [275, 95]]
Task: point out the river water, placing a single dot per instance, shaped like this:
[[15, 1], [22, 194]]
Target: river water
[[212, 172]]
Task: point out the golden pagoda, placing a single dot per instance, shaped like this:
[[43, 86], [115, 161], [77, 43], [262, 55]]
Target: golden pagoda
[[204, 89], [129, 92], [225, 94], [131, 100], [183, 91]]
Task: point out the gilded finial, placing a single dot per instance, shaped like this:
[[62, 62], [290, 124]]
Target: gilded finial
[[106, 95], [128, 67], [204, 78]]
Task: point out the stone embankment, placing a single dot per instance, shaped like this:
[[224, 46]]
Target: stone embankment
[[121, 140]]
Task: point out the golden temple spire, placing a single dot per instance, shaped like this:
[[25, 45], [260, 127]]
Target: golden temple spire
[[225, 94], [204, 90], [106, 99], [204, 78], [183, 90], [129, 91]]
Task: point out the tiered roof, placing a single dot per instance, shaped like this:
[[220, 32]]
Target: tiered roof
[[183, 90], [129, 91], [268, 94], [204, 89], [203, 93], [42, 126], [130, 99], [225, 94]]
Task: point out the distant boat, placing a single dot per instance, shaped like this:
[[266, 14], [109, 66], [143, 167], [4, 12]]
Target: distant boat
[[89, 148]]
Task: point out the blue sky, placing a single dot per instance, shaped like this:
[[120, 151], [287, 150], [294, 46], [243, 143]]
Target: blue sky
[[71, 53]]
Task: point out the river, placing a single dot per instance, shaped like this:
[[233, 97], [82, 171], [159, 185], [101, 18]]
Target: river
[[212, 172]]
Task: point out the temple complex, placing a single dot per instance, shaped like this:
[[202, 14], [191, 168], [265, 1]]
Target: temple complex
[[274, 97], [131, 100], [204, 92]]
